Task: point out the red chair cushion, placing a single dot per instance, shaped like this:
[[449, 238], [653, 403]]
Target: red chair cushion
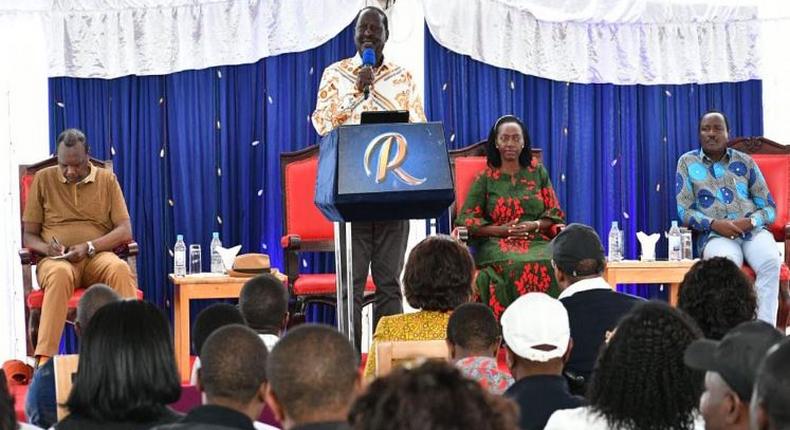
[[36, 298], [302, 215], [321, 284], [784, 272], [776, 170], [466, 170]]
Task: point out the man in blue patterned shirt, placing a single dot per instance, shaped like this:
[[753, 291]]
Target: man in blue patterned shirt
[[722, 194]]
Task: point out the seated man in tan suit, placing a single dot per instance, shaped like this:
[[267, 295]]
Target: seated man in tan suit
[[75, 216]]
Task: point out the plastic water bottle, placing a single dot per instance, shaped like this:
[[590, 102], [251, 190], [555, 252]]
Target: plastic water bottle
[[216, 260], [615, 243], [180, 256], [675, 250]]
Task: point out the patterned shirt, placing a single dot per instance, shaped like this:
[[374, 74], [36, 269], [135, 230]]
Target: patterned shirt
[[339, 102], [486, 371], [730, 188], [422, 325]]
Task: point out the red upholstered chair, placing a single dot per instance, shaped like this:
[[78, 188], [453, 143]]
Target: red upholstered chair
[[774, 162], [34, 298], [306, 229]]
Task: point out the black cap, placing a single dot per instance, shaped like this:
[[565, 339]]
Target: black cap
[[736, 356], [575, 243]]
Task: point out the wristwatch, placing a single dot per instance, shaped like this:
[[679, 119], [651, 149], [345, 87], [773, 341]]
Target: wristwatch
[[91, 249]]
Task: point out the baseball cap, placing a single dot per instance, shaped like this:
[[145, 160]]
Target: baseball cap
[[535, 327], [575, 243], [736, 357]]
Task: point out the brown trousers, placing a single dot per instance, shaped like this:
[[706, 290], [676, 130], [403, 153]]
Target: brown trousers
[[59, 278]]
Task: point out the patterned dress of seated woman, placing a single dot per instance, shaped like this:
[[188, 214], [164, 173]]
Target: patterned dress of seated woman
[[511, 213]]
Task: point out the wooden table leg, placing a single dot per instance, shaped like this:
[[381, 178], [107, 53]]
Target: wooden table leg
[[673, 294], [181, 331]]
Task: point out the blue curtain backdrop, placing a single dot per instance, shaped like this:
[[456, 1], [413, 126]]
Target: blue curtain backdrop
[[198, 151], [611, 150]]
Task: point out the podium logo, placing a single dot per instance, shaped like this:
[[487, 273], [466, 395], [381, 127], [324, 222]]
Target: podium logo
[[392, 151]]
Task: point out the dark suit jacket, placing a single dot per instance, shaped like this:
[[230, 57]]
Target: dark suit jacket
[[591, 314]]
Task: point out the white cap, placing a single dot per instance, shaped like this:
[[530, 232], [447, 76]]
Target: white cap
[[536, 320]]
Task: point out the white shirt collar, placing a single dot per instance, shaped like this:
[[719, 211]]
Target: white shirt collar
[[598, 283]]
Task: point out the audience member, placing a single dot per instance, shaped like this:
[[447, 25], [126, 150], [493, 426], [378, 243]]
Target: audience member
[[594, 308], [538, 343], [313, 378], [437, 279], [473, 338], [40, 406], [718, 296], [640, 381], [263, 303], [771, 395], [433, 395], [233, 378], [127, 371], [7, 412], [207, 321], [730, 367]]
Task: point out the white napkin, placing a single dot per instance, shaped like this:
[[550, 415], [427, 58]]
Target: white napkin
[[648, 243], [228, 255]]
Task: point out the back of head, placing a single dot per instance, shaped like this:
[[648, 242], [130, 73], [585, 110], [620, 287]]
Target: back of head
[[718, 296], [433, 395], [96, 296], [438, 274], [264, 303], [233, 364], [772, 387], [313, 370], [643, 365], [7, 413], [127, 369], [472, 326], [212, 318], [577, 251]]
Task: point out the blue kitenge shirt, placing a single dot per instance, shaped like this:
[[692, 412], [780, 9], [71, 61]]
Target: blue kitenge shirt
[[730, 188]]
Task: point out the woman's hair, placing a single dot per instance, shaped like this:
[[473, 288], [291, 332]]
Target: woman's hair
[[438, 274], [718, 296], [7, 413], [640, 381], [433, 395], [492, 153], [127, 369]]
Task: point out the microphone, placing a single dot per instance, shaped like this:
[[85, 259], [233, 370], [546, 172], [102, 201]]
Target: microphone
[[368, 60]]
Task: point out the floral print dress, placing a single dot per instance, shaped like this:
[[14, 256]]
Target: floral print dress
[[511, 267]]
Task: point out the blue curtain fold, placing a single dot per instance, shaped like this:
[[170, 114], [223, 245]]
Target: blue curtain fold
[[611, 150], [198, 151]]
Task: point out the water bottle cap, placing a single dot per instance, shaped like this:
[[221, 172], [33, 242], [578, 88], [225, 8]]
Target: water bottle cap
[[215, 235], [614, 224], [179, 237], [674, 223]]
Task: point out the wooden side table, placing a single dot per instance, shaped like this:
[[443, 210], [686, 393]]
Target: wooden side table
[[187, 288], [648, 272]]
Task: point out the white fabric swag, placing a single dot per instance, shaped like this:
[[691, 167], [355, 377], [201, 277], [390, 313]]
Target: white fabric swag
[[605, 41], [112, 38]]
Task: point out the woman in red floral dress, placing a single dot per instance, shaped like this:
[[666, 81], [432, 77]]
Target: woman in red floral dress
[[509, 212]]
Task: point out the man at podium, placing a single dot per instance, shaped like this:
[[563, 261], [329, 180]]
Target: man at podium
[[348, 88]]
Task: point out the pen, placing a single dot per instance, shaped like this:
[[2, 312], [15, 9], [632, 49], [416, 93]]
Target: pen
[[55, 239]]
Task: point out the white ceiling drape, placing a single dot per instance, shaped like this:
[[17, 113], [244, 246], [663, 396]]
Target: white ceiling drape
[[605, 41], [112, 38]]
